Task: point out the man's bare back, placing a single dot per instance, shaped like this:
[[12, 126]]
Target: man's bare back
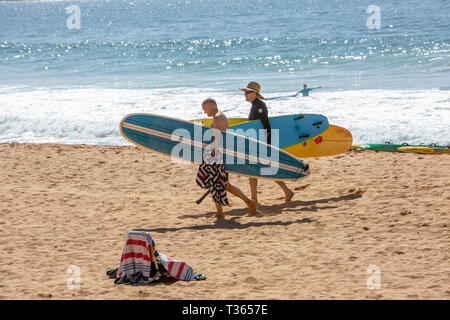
[[220, 121]]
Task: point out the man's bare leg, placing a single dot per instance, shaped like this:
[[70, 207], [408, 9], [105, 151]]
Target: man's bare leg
[[253, 188], [287, 192], [238, 193], [219, 209]]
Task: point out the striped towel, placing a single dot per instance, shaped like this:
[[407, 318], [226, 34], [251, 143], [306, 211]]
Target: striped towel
[[177, 269], [140, 251]]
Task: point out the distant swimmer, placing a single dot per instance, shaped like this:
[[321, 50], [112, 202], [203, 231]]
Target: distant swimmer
[[306, 90]]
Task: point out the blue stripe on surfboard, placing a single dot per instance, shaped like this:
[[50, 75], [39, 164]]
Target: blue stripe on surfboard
[[164, 145], [168, 128], [170, 125]]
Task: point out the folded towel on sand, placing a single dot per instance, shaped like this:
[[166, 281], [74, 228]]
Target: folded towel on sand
[[141, 263]]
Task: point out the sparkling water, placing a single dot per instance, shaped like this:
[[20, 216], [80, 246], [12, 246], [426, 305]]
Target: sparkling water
[[70, 70]]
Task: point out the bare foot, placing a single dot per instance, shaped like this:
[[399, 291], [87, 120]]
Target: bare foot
[[220, 216], [252, 207], [289, 196], [219, 211]]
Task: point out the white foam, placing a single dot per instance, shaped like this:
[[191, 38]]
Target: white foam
[[92, 115]]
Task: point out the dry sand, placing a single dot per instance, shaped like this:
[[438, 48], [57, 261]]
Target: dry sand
[[63, 205]]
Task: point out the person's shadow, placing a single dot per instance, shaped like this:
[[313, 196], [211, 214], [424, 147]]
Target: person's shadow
[[231, 223], [275, 209]]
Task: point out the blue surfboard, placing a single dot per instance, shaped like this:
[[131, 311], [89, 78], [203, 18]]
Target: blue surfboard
[[188, 141], [292, 129]]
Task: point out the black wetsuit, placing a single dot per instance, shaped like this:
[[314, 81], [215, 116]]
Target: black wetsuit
[[259, 111]]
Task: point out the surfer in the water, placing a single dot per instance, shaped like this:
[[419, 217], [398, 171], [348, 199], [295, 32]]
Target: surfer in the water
[[220, 122], [259, 111], [305, 92]]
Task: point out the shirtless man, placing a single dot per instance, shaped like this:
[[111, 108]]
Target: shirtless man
[[220, 122]]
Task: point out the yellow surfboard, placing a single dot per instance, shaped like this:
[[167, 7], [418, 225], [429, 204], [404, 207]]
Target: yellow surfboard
[[334, 140], [429, 150]]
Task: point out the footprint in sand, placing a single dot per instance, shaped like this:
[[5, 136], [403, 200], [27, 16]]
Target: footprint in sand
[[301, 187], [356, 191], [251, 280]]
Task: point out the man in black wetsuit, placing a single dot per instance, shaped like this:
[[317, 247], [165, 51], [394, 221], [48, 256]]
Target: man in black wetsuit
[[259, 111]]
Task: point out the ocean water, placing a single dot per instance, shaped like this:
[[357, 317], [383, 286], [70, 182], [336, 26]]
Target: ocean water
[[384, 70]]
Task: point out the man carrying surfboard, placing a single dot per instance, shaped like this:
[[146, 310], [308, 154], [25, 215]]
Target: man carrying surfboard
[[220, 122], [259, 111]]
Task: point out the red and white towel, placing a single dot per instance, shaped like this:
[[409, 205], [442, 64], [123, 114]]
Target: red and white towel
[[140, 251]]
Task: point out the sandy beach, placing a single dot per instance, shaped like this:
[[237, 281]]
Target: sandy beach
[[72, 205]]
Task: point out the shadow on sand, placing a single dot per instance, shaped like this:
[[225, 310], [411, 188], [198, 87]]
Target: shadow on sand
[[229, 224], [271, 210], [292, 206]]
